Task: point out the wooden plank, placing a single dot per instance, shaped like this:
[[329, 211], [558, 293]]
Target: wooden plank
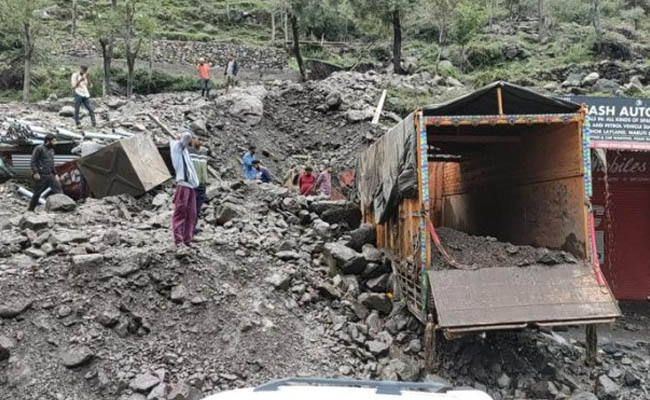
[[501, 296], [500, 100], [380, 107]]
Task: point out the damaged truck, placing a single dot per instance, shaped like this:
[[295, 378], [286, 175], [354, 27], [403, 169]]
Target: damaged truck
[[502, 162]]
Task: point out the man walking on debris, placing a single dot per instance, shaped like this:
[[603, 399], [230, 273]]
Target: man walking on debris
[[200, 161], [184, 217], [204, 74], [263, 173], [232, 69], [306, 182], [80, 85], [249, 172], [43, 170]]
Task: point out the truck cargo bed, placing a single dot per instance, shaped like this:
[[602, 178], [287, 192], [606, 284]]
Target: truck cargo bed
[[515, 297]]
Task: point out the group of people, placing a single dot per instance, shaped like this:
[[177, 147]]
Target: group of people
[[230, 73], [81, 85]]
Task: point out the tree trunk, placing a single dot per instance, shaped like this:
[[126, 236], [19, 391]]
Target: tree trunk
[[107, 56], [74, 17], [596, 23], [296, 47], [286, 28], [131, 57], [150, 62], [540, 25], [272, 27], [440, 37], [397, 43], [27, 75]]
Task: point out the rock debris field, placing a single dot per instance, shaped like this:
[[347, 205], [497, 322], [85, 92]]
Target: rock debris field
[[96, 303]]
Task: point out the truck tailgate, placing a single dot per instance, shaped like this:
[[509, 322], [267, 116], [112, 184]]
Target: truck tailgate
[[513, 297]]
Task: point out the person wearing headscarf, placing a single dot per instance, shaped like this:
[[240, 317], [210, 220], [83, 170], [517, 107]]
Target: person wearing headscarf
[[184, 217]]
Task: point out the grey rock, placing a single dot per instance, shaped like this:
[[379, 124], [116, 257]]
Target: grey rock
[[606, 389], [12, 310], [35, 253], [35, 222], [414, 346], [378, 348], [158, 393], [590, 79], [402, 369], [63, 311], [573, 80], [199, 126], [160, 200], [60, 203], [630, 379], [109, 317], [247, 108], [453, 82], [87, 260], [333, 100], [287, 255], [544, 390], [66, 237], [226, 212], [379, 284], [6, 345], [184, 391], [328, 291], [66, 111], [583, 396], [279, 280], [376, 301], [363, 235], [445, 66], [504, 381], [359, 115], [606, 86], [144, 383], [340, 257], [179, 294], [76, 356], [433, 378]]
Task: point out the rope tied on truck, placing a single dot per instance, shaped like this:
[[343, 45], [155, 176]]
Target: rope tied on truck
[[436, 240]]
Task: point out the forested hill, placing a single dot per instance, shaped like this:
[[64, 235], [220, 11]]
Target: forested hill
[[531, 42]]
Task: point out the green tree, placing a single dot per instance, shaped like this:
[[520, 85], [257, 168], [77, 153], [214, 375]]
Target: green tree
[[469, 18], [387, 12], [440, 12], [635, 11], [104, 28], [21, 27], [137, 25]]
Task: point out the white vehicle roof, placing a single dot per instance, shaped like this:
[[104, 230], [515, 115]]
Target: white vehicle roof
[[325, 389]]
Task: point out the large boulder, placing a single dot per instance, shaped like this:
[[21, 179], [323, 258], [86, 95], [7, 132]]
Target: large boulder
[[60, 202], [34, 222], [248, 109], [363, 235], [6, 345], [338, 212], [184, 391], [341, 258], [607, 389], [606, 86], [227, 212], [376, 301], [76, 356]]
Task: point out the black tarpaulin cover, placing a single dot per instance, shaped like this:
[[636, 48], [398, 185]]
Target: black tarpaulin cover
[[516, 101], [386, 171]]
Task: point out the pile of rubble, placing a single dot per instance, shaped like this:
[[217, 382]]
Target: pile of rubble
[[489, 252], [97, 302]]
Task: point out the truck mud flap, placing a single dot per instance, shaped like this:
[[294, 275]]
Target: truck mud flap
[[516, 297]]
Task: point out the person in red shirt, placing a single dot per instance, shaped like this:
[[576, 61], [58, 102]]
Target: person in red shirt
[[204, 74], [306, 182]]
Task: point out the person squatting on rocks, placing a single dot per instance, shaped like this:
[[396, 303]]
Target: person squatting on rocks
[[43, 170], [80, 84], [249, 172], [263, 173], [231, 71], [200, 161], [324, 183], [306, 182], [204, 75], [184, 217]]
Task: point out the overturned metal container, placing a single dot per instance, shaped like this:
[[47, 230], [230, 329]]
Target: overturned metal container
[[130, 166]]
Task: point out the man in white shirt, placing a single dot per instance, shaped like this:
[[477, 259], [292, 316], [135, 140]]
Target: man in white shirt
[[80, 84]]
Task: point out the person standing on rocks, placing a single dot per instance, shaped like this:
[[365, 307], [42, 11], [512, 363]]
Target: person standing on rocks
[[200, 161], [43, 170], [306, 182], [249, 158], [204, 74], [231, 71], [184, 217], [80, 85], [263, 173], [324, 183]]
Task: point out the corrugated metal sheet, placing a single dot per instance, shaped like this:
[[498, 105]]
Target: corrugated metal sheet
[[21, 163]]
